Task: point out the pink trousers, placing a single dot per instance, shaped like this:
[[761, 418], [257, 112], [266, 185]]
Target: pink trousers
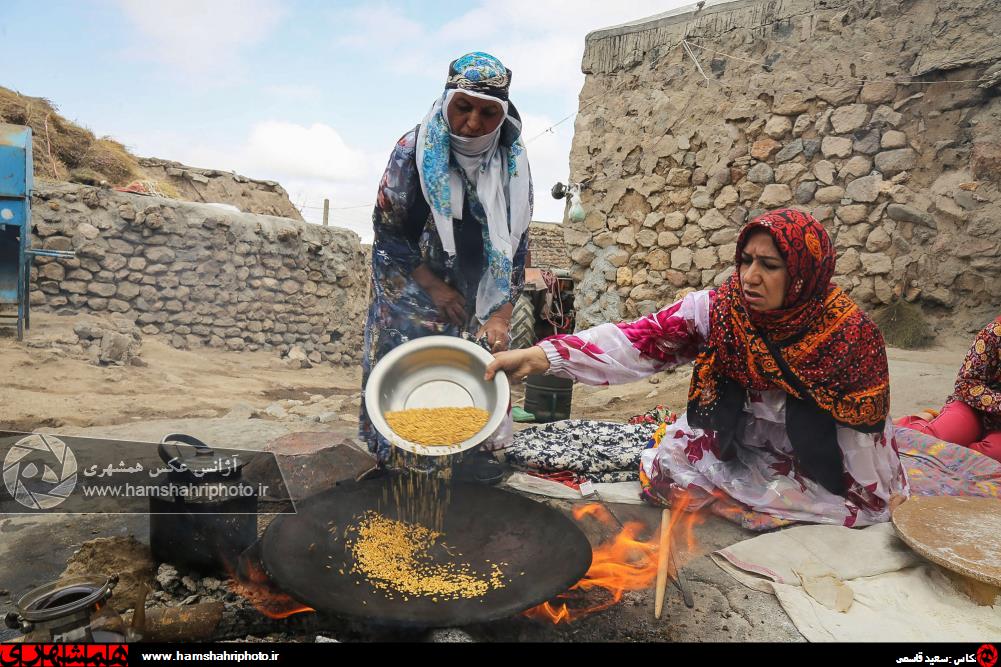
[[960, 424]]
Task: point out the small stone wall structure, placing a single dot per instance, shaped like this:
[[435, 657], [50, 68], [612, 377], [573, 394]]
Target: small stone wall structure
[[201, 275]]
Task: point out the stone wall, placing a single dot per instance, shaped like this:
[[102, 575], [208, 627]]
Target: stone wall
[[804, 103], [200, 275]]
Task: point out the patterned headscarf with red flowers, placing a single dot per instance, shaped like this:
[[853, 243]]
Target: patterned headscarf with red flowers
[[829, 343], [819, 347]]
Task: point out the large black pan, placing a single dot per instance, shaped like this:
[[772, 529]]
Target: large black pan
[[482, 522]]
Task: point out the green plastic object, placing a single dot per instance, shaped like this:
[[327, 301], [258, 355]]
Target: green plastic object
[[521, 416]]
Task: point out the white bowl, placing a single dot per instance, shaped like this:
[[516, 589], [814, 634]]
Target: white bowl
[[436, 372]]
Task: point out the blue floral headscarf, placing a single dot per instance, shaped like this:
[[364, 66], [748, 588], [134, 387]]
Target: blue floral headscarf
[[481, 73]]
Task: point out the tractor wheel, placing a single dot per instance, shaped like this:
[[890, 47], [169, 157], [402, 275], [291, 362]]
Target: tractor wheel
[[523, 323]]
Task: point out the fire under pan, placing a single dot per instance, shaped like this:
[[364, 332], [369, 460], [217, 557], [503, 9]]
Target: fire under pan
[[304, 553]]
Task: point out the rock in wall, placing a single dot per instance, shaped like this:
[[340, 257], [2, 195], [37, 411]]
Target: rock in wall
[[880, 118], [199, 275]]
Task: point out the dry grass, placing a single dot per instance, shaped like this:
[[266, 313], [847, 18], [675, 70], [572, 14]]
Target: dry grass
[[904, 325], [110, 158], [63, 150]]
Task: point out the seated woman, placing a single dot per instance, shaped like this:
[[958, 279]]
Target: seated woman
[[972, 415], [790, 390]]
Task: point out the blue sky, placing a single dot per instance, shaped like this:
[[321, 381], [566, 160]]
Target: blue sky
[[312, 94]]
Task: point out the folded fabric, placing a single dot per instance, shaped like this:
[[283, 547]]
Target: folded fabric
[[526, 483], [601, 451], [895, 594], [848, 553], [622, 493]]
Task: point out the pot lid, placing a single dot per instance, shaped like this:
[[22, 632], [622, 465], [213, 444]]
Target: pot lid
[[190, 457]]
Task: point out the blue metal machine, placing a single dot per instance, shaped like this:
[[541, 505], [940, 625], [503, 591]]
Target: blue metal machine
[[16, 183]]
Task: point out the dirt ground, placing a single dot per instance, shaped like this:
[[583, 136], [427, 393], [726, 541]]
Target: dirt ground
[[214, 393], [44, 387]]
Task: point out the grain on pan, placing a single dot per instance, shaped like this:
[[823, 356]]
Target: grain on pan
[[396, 557], [437, 426]]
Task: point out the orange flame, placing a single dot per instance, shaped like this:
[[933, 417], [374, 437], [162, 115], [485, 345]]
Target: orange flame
[[254, 585], [596, 510], [624, 563], [680, 514], [546, 611]]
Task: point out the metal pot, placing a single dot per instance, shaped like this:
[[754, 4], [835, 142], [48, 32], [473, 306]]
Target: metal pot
[[208, 517], [548, 397], [73, 610]]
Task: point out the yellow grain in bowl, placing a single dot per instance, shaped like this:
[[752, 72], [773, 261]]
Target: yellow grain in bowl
[[437, 426]]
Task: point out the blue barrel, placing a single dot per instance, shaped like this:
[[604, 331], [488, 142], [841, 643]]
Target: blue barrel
[[548, 397]]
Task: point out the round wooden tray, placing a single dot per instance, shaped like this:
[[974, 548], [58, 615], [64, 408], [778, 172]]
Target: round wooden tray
[[959, 533]]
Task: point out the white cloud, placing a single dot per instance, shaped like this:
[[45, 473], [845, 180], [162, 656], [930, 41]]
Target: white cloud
[[199, 36], [399, 45], [299, 92], [314, 152], [314, 163], [551, 64], [575, 17], [479, 23]]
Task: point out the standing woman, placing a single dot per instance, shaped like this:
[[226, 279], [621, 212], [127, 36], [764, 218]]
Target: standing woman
[[451, 223]]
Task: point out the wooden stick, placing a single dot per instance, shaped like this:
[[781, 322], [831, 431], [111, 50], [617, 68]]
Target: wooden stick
[[139, 615], [662, 561]]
